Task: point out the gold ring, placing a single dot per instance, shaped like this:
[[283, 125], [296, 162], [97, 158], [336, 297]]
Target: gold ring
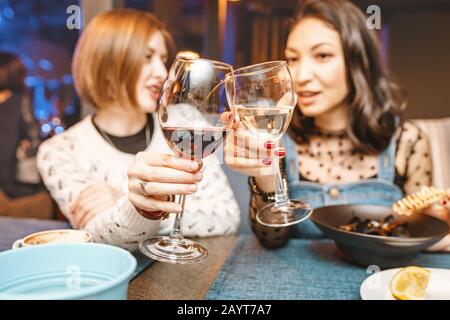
[[142, 184]]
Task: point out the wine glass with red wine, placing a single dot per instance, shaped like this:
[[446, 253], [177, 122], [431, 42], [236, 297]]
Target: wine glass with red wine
[[195, 117]]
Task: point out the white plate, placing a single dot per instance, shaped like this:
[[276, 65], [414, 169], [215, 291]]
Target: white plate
[[376, 287]]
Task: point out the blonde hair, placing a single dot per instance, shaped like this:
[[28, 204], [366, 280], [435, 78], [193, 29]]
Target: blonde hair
[[110, 54]]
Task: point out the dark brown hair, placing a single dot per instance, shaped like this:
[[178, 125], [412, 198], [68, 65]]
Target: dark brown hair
[[375, 101], [12, 72], [110, 54]]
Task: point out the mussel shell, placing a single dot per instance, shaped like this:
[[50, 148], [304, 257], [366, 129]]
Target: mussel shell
[[355, 220], [389, 219], [364, 226]]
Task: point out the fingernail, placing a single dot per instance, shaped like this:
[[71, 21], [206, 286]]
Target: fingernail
[[192, 187], [269, 145], [280, 153], [193, 166], [176, 208], [198, 176], [267, 161]]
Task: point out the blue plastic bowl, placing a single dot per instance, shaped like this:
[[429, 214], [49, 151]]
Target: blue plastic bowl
[[66, 271]]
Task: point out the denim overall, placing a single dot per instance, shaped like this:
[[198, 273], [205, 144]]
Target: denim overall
[[377, 191]]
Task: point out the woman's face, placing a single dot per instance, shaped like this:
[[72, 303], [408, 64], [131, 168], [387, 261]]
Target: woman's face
[[316, 59], [153, 73]]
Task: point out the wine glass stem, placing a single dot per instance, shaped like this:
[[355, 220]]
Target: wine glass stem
[[176, 229], [281, 197]]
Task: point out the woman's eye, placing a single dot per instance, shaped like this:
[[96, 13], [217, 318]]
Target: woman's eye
[[148, 57], [323, 56], [291, 60]]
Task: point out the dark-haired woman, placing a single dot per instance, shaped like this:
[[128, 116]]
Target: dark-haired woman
[[346, 143]]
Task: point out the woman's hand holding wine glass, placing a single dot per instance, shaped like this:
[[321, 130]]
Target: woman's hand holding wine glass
[[163, 175], [249, 155], [194, 117], [262, 97]]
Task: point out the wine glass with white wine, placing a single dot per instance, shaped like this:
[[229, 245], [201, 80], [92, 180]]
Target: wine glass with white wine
[[263, 99]]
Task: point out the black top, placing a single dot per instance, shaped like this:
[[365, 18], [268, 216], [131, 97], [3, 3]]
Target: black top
[[130, 144]]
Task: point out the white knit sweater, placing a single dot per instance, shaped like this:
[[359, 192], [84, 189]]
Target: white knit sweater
[[79, 157]]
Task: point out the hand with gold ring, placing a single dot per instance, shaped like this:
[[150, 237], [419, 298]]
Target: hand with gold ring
[[142, 184], [153, 178], [154, 215]]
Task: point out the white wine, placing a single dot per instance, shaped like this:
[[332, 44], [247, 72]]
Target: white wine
[[265, 122]]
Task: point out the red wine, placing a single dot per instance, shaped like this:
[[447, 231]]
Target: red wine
[[194, 143]]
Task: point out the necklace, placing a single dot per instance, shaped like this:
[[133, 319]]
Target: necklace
[[108, 139]]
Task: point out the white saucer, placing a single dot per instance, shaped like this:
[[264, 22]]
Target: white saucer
[[376, 287]]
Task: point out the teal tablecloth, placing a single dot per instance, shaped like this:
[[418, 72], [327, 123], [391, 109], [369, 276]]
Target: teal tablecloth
[[12, 229], [304, 269]]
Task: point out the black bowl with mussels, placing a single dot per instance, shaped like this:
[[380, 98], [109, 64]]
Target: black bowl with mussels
[[376, 235]]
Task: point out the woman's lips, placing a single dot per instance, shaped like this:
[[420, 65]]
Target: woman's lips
[[154, 92], [307, 98]]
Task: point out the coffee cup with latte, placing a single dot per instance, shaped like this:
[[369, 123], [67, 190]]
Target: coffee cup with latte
[[53, 236]]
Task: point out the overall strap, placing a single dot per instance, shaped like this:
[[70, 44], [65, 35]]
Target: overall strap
[[290, 161], [386, 163]]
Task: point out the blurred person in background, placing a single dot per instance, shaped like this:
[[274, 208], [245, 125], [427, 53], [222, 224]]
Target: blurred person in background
[[22, 196], [95, 169]]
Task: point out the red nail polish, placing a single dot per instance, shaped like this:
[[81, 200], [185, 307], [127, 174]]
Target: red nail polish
[[269, 145], [280, 153], [267, 161]]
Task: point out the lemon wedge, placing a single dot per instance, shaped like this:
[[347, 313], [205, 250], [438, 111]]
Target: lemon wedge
[[410, 283]]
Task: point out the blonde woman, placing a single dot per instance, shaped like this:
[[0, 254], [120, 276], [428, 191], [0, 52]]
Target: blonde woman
[[94, 170]]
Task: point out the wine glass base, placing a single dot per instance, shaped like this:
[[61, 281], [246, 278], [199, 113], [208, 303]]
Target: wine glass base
[[294, 212], [173, 250]]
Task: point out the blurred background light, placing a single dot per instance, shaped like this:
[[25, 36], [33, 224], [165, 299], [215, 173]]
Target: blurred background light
[[59, 129], [46, 128], [8, 12], [45, 64]]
